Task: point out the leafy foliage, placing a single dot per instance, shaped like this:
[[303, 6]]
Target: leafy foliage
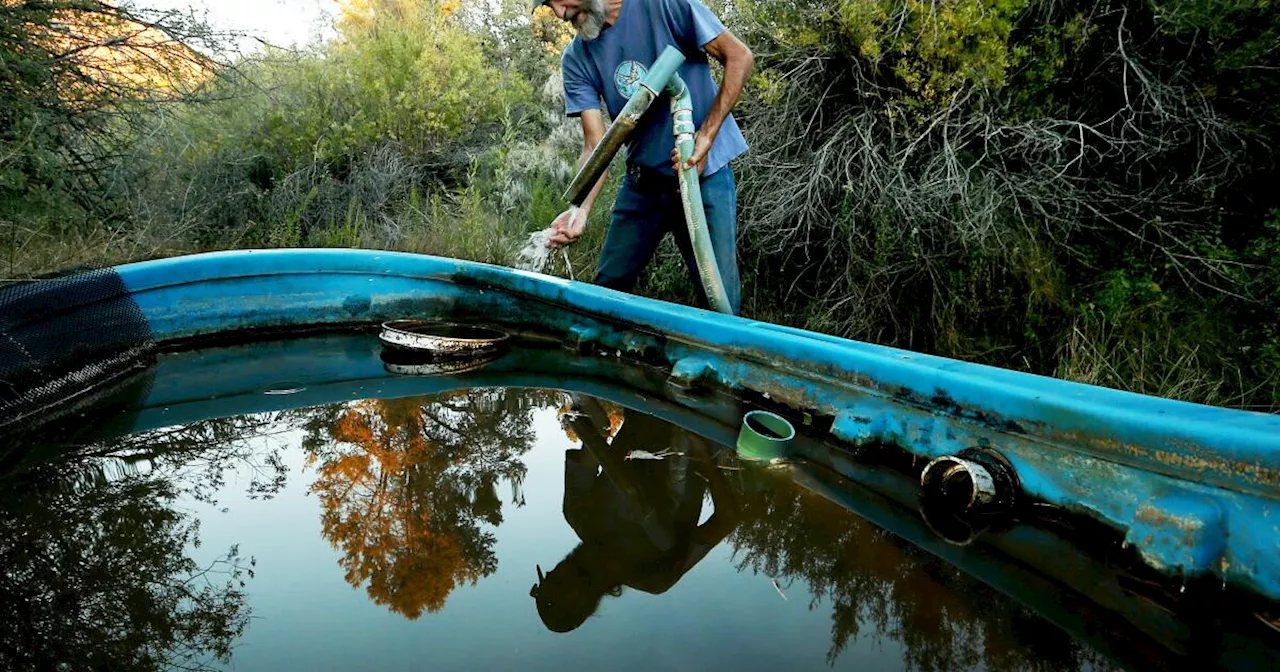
[[75, 76], [972, 179], [303, 147]]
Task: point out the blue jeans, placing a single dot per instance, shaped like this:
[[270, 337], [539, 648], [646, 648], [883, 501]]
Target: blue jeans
[[647, 208]]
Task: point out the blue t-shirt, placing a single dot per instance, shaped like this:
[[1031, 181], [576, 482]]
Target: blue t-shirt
[[613, 64]]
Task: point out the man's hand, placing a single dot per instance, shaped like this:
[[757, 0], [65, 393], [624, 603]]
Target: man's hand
[[567, 227], [701, 146]]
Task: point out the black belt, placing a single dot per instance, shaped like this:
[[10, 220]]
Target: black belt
[[644, 177]]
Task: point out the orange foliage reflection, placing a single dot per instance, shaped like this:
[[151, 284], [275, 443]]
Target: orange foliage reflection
[[405, 485]]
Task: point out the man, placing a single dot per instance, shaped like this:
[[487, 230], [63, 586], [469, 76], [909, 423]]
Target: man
[[617, 41]]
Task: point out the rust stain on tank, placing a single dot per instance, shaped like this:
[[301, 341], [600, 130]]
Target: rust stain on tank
[[1182, 460], [1187, 528]]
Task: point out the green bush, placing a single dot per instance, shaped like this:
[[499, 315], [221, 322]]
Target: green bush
[[1004, 181], [298, 146]]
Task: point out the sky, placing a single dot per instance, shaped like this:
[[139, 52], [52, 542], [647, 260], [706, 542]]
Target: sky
[[280, 22]]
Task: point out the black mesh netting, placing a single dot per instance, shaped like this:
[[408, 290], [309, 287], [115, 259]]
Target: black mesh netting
[[62, 337]]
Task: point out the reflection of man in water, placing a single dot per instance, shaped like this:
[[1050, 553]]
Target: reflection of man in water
[[637, 519]]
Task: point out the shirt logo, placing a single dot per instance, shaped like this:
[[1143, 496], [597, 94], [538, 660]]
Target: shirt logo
[[627, 77]]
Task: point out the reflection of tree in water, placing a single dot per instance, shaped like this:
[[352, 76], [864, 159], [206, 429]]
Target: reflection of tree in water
[[943, 618], [195, 458], [94, 555], [406, 483]]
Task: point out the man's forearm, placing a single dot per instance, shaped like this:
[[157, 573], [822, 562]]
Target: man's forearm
[[737, 68], [595, 189]]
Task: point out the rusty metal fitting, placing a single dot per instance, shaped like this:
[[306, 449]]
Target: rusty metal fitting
[[974, 481], [962, 495]]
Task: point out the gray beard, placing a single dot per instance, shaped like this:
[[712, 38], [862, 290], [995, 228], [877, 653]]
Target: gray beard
[[594, 21]]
